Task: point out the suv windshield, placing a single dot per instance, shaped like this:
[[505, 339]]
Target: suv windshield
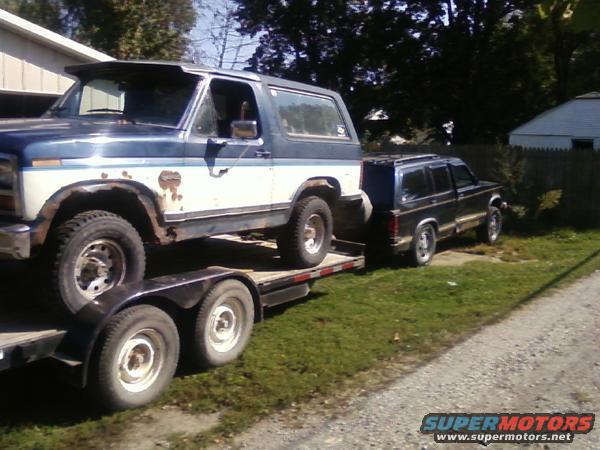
[[145, 97]]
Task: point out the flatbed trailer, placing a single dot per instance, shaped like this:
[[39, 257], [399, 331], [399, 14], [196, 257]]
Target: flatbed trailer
[[125, 346]]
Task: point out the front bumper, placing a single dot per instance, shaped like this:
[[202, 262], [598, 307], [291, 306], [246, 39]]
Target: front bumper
[[15, 241]]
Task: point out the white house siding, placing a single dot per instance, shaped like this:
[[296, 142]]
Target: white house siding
[[32, 60], [526, 141], [30, 67], [558, 127]]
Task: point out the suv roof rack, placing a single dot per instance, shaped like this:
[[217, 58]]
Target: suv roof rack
[[397, 159]]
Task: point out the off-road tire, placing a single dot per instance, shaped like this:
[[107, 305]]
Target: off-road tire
[[291, 238], [418, 255], [487, 232], [106, 380], [229, 296], [67, 242]]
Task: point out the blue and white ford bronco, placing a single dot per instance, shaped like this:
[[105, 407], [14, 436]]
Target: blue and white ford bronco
[[149, 152]]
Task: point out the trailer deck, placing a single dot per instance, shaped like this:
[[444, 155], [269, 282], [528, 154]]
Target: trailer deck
[[31, 334]]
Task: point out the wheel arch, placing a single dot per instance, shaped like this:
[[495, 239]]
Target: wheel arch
[[328, 188], [495, 200], [129, 199], [428, 221]]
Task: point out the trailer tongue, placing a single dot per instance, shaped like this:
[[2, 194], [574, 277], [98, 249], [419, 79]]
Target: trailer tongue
[[125, 345]]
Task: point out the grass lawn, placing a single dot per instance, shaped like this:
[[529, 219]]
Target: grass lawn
[[349, 324]]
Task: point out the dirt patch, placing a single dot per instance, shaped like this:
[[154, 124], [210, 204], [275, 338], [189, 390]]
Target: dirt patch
[[154, 428], [454, 258]]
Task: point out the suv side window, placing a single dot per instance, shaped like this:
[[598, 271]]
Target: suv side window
[[225, 102], [441, 179], [312, 116], [462, 176], [415, 185]]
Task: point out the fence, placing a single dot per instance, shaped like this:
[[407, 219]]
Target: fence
[[575, 172]]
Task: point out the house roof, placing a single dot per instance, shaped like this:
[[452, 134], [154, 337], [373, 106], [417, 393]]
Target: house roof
[[579, 116], [49, 38]]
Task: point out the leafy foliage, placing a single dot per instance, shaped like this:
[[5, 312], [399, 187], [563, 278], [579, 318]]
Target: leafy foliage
[[125, 29], [483, 66]]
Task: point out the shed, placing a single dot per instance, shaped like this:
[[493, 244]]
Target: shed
[[572, 125], [32, 59]]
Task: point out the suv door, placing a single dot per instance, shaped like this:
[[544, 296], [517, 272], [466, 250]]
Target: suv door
[[470, 209], [232, 176], [444, 199]]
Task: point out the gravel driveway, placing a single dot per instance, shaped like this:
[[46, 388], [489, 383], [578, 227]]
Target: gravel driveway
[[545, 357]]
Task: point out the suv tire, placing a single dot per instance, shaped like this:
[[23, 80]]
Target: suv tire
[[424, 245], [490, 230], [89, 255], [306, 239]]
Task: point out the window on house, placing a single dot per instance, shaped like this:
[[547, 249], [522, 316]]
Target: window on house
[[583, 144]]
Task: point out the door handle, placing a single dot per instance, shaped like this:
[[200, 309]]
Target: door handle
[[433, 201], [262, 154]]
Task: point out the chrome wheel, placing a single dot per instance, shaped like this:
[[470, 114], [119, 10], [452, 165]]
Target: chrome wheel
[[314, 234], [225, 325], [141, 360], [494, 226], [425, 243], [101, 265]]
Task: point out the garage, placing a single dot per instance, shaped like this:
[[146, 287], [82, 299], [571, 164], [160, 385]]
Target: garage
[[32, 60]]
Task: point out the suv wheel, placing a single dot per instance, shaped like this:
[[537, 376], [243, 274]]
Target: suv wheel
[[90, 254], [306, 239], [424, 245], [490, 231]]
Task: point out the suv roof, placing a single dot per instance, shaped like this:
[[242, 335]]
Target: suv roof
[[400, 159], [199, 69]]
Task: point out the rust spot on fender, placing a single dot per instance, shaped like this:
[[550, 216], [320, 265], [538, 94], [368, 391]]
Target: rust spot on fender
[[126, 175], [104, 175], [170, 181]]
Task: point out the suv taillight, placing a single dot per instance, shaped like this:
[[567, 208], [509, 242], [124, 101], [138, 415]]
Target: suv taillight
[[362, 174], [394, 226]]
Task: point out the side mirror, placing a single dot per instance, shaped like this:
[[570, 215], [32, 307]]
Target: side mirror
[[244, 129]]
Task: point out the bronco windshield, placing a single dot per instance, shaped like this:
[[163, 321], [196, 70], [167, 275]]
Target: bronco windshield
[[146, 97]]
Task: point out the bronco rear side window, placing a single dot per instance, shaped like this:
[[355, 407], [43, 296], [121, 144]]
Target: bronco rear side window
[[311, 116]]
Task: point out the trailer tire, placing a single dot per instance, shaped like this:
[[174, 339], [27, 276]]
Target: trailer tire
[[306, 239], [223, 325], [136, 358]]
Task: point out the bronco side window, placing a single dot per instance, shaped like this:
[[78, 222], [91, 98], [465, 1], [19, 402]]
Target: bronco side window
[[462, 176], [225, 102]]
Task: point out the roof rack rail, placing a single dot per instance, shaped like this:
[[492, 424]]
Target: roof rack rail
[[399, 158]]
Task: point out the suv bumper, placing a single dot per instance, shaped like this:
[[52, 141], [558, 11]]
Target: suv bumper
[[15, 241]]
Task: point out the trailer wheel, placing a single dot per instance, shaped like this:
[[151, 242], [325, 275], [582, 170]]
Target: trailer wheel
[[223, 324], [423, 247], [137, 355], [306, 239]]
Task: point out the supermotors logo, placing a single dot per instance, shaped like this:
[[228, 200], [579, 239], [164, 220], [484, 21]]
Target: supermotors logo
[[486, 428]]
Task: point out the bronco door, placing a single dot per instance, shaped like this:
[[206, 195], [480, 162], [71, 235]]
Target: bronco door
[[230, 176], [472, 203]]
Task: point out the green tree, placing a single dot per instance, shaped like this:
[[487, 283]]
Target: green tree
[[125, 29], [133, 29], [46, 13]]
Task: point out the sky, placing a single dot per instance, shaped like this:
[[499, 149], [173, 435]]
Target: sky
[[208, 37]]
